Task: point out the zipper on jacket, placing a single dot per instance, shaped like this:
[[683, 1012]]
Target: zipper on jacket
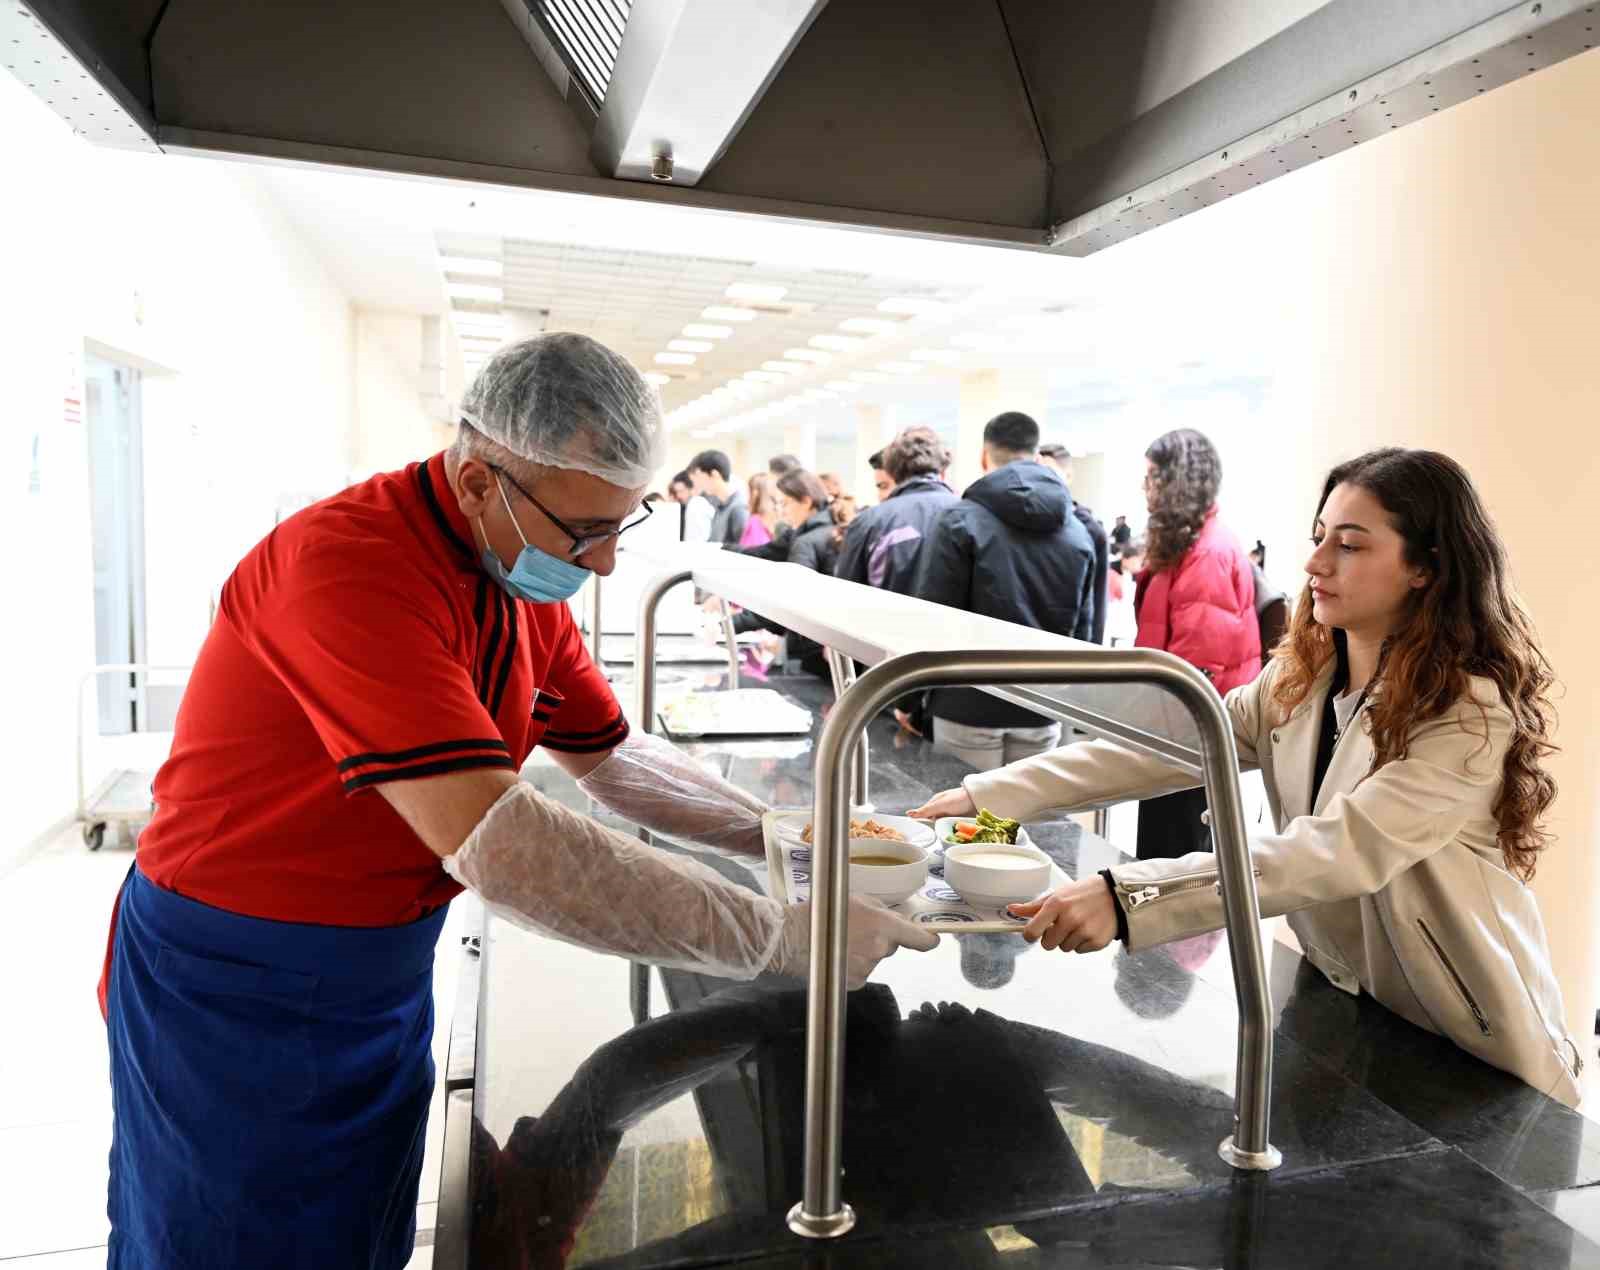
[[1133, 897], [1461, 986]]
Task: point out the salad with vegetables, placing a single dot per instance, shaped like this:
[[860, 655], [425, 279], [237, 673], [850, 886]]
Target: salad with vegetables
[[987, 828]]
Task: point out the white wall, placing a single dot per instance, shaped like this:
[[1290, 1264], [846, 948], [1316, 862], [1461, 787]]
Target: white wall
[[392, 426], [186, 269]]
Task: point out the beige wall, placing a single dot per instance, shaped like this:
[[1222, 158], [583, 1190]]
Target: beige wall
[[1440, 288]]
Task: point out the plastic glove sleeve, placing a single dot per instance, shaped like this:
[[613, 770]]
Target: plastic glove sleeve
[[548, 869], [653, 783]]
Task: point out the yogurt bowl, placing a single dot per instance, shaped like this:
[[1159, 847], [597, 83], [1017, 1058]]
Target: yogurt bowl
[[887, 871], [992, 875]]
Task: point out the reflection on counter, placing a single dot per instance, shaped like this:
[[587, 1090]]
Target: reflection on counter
[[1002, 1104]]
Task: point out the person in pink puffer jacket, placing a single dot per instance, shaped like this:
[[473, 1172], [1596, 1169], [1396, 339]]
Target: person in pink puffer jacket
[[1195, 598]]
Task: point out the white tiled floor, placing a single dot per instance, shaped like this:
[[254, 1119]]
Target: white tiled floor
[[55, 1095]]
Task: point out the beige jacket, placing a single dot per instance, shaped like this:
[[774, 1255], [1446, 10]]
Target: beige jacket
[[1393, 882]]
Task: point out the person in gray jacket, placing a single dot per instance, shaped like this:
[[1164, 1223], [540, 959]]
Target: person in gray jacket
[[712, 476], [1400, 731]]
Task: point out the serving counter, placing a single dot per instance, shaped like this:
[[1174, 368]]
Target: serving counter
[[1003, 1106]]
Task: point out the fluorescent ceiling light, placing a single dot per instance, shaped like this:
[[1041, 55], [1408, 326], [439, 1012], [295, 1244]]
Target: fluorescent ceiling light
[[785, 368], [807, 355], [488, 321], [868, 377], [703, 433], [869, 326], [985, 340], [755, 292], [764, 377], [479, 267], [842, 385], [911, 306], [899, 368], [818, 394], [473, 291], [838, 343], [939, 356], [700, 331], [690, 346], [726, 313], [657, 378], [675, 359]]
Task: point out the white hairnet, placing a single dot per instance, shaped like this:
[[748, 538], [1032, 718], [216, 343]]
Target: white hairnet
[[564, 400]]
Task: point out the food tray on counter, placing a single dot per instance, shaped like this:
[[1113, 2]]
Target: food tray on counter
[[736, 712], [935, 906]]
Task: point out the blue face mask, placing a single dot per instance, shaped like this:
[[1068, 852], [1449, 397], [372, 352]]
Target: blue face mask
[[537, 576]]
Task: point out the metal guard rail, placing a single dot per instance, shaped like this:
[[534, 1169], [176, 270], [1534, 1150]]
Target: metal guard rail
[[822, 1212]]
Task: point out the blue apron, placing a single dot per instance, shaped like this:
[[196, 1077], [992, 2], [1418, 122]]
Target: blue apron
[[270, 1084]]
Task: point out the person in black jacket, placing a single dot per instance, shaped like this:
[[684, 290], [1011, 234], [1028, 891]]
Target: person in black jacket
[[1059, 458], [803, 507], [883, 542], [1011, 549]]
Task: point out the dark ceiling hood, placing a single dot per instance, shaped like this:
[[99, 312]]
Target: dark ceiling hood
[[1019, 122]]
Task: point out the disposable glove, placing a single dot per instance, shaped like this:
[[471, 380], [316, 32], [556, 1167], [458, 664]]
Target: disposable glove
[[653, 783], [875, 933]]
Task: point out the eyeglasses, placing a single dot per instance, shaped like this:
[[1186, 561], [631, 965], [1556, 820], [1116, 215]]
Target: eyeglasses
[[581, 543]]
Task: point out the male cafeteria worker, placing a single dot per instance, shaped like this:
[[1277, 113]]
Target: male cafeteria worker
[[345, 761]]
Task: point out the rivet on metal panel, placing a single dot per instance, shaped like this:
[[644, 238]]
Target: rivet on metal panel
[[661, 164], [1224, 154]]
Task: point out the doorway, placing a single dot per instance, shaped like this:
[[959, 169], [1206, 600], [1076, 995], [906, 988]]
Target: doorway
[[116, 501]]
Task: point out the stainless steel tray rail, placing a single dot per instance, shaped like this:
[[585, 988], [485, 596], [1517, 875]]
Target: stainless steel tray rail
[[1025, 675], [822, 1212]]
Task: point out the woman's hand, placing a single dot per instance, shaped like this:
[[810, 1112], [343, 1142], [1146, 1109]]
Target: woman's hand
[[1078, 917], [952, 802]]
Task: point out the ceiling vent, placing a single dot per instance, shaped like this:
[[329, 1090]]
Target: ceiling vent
[[587, 34]]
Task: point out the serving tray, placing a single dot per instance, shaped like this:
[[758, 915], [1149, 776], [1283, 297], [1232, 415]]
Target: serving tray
[[936, 905]]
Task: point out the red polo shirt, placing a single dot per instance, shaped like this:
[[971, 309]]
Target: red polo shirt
[[360, 642]]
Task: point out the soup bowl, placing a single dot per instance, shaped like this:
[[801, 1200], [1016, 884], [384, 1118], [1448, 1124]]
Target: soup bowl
[[887, 871]]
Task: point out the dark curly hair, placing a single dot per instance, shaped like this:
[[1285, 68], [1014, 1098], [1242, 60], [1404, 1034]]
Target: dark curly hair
[[1187, 477], [915, 452], [1466, 621]]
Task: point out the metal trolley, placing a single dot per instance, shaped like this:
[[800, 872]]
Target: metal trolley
[[122, 795]]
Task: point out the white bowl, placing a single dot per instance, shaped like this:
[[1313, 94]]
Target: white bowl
[[890, 883], [919, 833], [986, 882], [945, 826]]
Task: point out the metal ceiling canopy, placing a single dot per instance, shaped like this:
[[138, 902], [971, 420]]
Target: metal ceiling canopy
[[1013, 122], [686, 78]]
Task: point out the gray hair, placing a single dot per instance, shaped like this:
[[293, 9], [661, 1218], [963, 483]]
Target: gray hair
[[567, 401]]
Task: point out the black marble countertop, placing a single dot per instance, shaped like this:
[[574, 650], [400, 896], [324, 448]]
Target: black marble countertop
[[1004, 1105]]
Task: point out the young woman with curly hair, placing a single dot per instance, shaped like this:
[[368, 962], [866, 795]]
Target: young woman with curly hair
[[1195, 597], [1400, 729]]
